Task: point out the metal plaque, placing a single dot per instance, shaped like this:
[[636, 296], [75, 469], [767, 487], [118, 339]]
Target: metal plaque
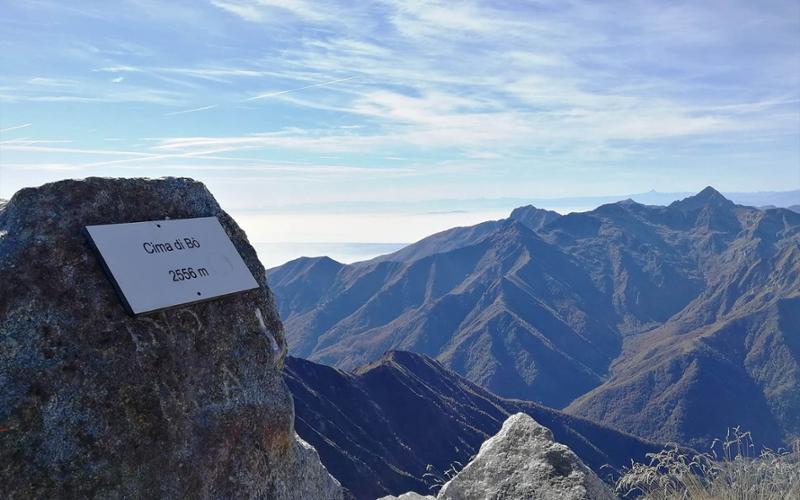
[[156, 265]]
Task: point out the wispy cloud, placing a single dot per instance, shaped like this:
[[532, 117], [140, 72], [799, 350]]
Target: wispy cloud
[[16, 127], [261, 10], [27, 146], [281, 92], [212, 74], [51, 82], [193, 110], [28, 142]]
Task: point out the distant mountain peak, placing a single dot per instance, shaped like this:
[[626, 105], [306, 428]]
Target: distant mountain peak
[[304, 263], [397, 355], [322, 258], [406, 359], [532, 217], [614, 207], [710, 193], [391, 356], [707, 197]]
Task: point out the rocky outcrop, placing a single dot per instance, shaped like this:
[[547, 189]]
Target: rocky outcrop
[[524, 462], [188, 402]]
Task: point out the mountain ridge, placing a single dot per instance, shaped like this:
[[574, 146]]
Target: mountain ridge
[[378, 427], [551, 314]]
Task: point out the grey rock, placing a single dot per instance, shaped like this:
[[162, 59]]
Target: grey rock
[[188, 402], [304, 476], [411, 495], [522, 461]]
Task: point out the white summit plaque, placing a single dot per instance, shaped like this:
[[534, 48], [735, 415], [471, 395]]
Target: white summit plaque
[[160, 264]]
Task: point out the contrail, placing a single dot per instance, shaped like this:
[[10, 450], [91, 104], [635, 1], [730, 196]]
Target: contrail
[[273, 94], [190, 110], [262, 96], [9, 129]]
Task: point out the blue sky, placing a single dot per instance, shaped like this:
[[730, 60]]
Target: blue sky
[[280, 104]]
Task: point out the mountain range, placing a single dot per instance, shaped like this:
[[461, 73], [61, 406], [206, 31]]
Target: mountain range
[[456, 205], [670, 322], [379, 428]]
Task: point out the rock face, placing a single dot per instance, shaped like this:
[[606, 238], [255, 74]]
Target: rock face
[[304, 476], [188, 402], [523, 462]]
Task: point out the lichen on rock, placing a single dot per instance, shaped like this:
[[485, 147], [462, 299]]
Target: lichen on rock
[[188, 402]]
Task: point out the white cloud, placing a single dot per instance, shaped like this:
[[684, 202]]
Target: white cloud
[[51, 82], [247, 11], [440, 19], [546, 82], [261, 10]]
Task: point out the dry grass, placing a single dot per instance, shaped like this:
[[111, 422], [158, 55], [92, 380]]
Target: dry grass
[[435, 480], [730, 471]]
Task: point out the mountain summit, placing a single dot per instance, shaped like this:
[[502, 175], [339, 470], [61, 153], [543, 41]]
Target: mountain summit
[[708, 197], [534, 218]]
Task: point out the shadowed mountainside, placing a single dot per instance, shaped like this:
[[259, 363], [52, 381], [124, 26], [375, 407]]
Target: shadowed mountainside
[[377, 428], [641, 313]]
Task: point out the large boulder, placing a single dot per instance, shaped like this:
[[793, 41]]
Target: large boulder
[[522, 461], [185, 403]]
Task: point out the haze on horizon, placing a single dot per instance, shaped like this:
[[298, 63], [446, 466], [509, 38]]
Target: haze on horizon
[[292, 112]]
